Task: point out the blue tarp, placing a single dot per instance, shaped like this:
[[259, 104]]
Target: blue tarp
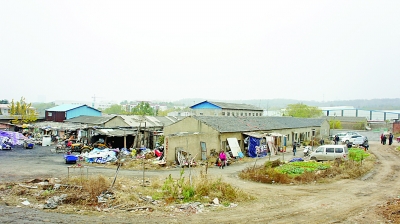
[[254, 143], [14, 136], [296, 159]]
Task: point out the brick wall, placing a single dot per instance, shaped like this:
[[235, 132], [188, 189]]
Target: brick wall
[[396, 127]]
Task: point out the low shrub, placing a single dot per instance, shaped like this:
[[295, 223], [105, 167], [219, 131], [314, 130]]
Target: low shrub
[[201, 189], [92, 187]]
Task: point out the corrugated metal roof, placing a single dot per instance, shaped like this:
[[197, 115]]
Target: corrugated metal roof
[[248, 124], [133, 120], [167, 120], [115, 132], [9, 117], [234, 106], [84, 119], [64, 107], [51, 125], [67, 107], [151, 121]]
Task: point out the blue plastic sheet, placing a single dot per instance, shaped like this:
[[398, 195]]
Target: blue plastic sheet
[[253, 142], [296, 159]]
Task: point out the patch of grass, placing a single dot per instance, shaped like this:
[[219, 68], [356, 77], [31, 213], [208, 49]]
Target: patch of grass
[[264, 174], [48, 192], [306, 172], [93, 186], [201, 189], [358, 155], [297, 168]]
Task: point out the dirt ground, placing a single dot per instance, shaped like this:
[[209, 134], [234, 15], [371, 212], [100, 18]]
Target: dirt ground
[[364, 200]]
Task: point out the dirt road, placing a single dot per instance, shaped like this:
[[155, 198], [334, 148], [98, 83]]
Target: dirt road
[[345, 201]]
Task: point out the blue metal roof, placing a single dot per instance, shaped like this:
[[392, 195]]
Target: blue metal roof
[[64, 107], [221, 105]]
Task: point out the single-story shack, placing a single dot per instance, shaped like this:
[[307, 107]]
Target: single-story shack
[[200, 135]]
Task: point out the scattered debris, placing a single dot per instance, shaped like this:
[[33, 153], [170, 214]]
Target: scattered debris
[[54, 201], [216, 201], [195, 207], [26, 202], [30, 187], [104, 197]]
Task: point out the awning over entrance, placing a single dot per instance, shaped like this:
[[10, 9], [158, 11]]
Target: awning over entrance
[[255, 134], [262, 135]]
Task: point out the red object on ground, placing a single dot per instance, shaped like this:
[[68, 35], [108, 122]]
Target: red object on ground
[[158, 153]]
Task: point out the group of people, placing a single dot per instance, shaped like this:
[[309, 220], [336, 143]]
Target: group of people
[[336, 139], [384, 139]]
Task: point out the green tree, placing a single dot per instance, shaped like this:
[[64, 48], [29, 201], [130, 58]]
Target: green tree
[[302, 110], [114, 109], [143, 109], [22, 112], [335, 124], [41, 107], [165, 112]]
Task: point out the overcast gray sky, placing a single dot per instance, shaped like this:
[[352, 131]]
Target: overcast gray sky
[[218, 50]]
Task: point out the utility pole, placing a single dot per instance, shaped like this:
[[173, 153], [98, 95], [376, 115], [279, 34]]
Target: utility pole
[[94, 100], [94, 97]]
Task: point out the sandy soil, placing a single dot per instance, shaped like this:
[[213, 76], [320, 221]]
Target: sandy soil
[[344, 201]]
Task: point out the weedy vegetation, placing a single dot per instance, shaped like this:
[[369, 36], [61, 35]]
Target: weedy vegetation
[[359, 163]]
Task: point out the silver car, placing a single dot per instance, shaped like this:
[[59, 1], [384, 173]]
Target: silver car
[[330, 152], [350, 138]]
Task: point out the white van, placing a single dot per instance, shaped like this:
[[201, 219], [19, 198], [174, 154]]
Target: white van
[[330, 152]]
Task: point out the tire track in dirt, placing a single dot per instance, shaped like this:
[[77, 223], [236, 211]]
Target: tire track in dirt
[[344, 201], [320, 203]]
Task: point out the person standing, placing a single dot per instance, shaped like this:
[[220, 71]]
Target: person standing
[[294, 149], [336, 139], [390, 139], [384, 140], [222, 157]]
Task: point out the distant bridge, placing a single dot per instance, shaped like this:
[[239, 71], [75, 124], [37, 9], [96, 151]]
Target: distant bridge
[[371, 115]]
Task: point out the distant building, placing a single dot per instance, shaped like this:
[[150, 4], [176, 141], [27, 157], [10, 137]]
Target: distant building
[[101, 105], [179, 113], [72, 102], [4, 109], [68, 111], [211, 108], [129, 106]]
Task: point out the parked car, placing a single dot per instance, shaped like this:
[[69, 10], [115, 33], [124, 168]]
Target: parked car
[[359, 141], [350, 138], [352, 133], [330, 152], [340, 135]]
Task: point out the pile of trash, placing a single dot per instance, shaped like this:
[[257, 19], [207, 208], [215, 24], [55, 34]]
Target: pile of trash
[[108, 155], [100, 156], [9, 139]]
